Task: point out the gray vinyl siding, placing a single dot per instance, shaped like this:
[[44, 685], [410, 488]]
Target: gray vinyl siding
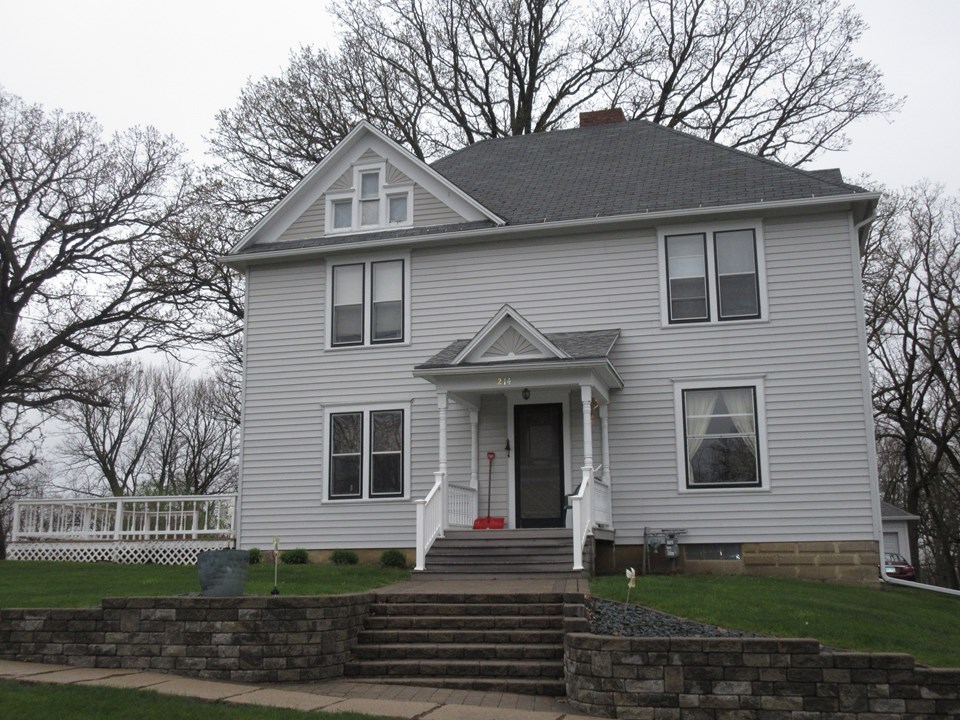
[[807, 355], [430, 210]]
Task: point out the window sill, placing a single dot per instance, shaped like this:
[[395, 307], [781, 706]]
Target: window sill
[[713, 324], [722, 490], [366, 501], [370, 346]]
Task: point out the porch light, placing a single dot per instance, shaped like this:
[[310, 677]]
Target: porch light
[[526, 393]]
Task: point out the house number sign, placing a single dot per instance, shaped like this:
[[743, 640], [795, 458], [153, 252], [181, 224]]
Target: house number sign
[[504, 381]]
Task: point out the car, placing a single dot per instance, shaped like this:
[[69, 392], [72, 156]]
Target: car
[[896, 567]]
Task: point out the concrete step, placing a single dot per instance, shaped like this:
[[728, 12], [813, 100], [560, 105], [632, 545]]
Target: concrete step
[[429, 575], [437, 668], [525, 686], [458, 651], [519, 535]]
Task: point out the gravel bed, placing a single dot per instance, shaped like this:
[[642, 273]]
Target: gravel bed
[[608, 617]]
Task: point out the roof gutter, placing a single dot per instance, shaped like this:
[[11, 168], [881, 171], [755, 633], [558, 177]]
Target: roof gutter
[[547, 228]]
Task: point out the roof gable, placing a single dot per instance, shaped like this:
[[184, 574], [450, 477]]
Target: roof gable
[[508, 336], [361, 144]]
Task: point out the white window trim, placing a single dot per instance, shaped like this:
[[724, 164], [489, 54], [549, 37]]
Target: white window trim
[[757, 383], [366, 409], [386, 190], [367, 262], [713, 298]]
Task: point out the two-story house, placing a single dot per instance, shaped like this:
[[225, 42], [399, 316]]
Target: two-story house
[[598, 333]]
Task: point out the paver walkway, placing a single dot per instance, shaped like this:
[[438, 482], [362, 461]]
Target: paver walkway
[[338, 696]]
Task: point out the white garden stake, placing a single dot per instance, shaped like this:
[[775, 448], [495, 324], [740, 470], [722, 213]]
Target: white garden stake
[[631, 583]]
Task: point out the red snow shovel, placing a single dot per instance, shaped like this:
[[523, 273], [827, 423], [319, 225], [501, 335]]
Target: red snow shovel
[[489, 523]]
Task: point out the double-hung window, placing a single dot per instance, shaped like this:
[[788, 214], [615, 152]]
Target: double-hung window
[[373, 203], [719, 436], [712, 275], [366, 453], [368, 302]]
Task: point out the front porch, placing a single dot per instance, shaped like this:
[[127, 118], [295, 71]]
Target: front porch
[[548, 397]]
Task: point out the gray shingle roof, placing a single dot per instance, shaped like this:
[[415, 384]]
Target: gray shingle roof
[[621, 168], [588, 345], [892, 511]]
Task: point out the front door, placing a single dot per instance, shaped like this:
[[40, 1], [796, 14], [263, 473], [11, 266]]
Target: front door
[[538, 462]]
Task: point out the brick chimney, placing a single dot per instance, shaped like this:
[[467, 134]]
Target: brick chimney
[[601, 117]]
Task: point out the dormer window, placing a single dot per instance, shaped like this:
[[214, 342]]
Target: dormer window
[[371, 204]]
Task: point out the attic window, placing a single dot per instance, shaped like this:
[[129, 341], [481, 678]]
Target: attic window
[[372, 203]]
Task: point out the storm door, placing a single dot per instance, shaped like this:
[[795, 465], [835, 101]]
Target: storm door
[[538, 463]]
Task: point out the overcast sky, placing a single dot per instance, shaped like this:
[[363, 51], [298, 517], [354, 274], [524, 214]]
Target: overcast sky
[[174, 64]]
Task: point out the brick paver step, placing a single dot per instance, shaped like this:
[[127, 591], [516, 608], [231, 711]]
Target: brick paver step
[[378, 637], [470, 609], [456, 622], [459, 651], [435, 668], [526, 686]]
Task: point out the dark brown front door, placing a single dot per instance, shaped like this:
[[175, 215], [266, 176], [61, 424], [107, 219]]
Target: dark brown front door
[[538, 462]]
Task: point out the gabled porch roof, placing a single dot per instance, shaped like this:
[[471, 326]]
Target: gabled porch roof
[[514, 351]]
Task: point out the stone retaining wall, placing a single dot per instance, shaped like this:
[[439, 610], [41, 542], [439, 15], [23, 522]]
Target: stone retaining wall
[[246, 639], [742, 679]]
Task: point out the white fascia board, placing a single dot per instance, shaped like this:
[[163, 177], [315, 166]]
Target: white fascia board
[[504, 232], [299, 199], [603, 366], [306, 192]]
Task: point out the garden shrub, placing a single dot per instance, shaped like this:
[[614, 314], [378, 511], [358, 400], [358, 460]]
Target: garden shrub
[[394, 559], [294, 557], [344, 557], [256, 556]]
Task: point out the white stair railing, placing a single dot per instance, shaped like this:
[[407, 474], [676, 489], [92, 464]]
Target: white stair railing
[[429, 520], [582, 507], [463, 505], [601, 503]]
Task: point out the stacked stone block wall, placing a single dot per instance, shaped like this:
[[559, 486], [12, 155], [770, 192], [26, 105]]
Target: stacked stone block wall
[[750, 678], [245, 639]]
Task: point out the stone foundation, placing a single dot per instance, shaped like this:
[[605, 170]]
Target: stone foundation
[[841, 561], [244, 639], [855, 562]]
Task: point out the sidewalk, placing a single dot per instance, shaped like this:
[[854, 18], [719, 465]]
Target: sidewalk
[[397, 701]]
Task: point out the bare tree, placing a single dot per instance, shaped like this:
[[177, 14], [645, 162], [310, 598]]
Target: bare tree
[[110, 441], [85, 265], [778, 78], [153, 431], [912, 292], [19, 461]]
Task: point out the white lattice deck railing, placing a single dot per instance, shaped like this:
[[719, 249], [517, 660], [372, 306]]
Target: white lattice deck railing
[[162, 529]]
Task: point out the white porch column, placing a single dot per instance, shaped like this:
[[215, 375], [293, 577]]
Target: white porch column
[[586, 399], [474, 448], [605, 441], [442, 461]]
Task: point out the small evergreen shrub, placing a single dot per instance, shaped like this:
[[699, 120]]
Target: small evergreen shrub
[[394, 559], [294, 557], [344, 557], [256, 556]]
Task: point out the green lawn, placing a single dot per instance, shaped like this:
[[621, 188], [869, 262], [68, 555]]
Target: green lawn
[[890, 619], [55, 702], [68, 585]]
